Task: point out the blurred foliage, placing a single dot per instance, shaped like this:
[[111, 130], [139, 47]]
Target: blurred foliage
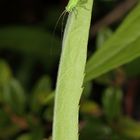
[[29, 57], [121, 41]]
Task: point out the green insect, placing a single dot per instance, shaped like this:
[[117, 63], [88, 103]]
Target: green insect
[[71, 5]]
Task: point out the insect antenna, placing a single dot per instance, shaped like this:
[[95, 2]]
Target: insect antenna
[[62, 26], [54, 30], [62, 15]]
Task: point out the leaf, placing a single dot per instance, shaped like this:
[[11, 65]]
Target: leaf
[[5, 77], [129, 128], [87, 90], [11, 92], [102, 36], [31, 41], [112, 101], [121, 48], [36, 128], [91, 108], [14, 96], [24, 137], [5, 73], [95, 129], [71, 73], [41, 92], [49, 100]]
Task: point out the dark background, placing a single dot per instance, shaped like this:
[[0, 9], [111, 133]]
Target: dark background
[[29, 53]]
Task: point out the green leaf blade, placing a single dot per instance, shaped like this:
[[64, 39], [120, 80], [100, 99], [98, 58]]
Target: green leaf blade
[[121, 48], [71, 73]]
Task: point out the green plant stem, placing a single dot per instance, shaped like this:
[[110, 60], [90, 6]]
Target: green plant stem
[[71, 73]]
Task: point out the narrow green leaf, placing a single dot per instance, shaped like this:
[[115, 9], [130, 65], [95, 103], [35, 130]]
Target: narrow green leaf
[[121, 48], [112, 101], [71, 73], [40, 94], [5, 73], [102, 36], [14, 96]]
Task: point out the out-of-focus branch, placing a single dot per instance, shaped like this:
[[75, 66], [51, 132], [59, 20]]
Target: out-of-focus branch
[[115, 15]]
